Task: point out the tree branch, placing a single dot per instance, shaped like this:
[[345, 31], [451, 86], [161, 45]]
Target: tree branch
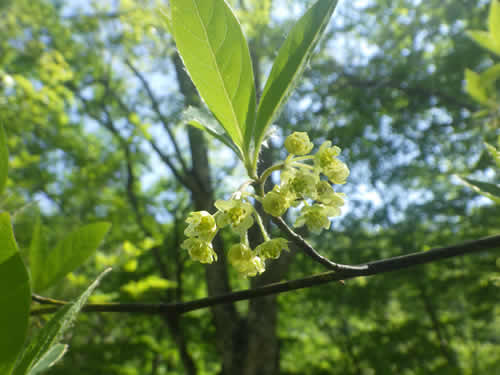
[[310, 251], [156, 107], [367, 269]]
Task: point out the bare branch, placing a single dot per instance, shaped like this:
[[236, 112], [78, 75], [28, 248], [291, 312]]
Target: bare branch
[[367, 269], [309, 250], [156, 107]]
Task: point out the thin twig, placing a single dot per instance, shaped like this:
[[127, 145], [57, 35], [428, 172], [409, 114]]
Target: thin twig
[[156, 107], [309, 250]]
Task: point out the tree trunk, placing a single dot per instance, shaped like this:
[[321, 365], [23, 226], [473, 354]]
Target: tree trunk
[[247, 345]]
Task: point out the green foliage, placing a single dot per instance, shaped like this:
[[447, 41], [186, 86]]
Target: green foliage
[[387, 85], [202, 120], [216, 55], [290, 63], [491, 39], [494, 152], [482, 87], [41, 349], [50, 266], [489, 190], [4, 159], [15, 297], [53, 355]]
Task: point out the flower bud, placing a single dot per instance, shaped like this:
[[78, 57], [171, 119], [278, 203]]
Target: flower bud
[[298, 143]]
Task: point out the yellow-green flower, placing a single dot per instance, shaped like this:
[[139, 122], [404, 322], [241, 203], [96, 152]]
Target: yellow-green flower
[[338, 173], [298, 143], [316, 217], [236, 213], [326, 159], [304, 184], [202, 225], [271, 249], [277, 201], [327, 155], [326, 195], [199, 250], [246, 262], [287, 175]]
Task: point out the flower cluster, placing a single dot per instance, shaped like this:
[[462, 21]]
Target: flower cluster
[[238, 214], [301, 184]]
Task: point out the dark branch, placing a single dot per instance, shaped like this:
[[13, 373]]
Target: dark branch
[[367, 269], [309, 250], [166, 159], [156, 107]]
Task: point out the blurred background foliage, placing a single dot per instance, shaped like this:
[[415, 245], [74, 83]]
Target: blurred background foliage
[[91, 95]]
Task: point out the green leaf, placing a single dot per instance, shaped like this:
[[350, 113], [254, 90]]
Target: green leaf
[[290, 63], [494, 22], [50, 358], [15, 297], [490, 191], [490, 75], [494, 152], [52, 332], [475, 88], [216, 55], [4, 159], [203, 120], [8, 245], [50, 266], [485, 40]]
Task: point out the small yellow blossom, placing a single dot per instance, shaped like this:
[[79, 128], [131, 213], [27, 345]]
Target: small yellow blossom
[[236, 213], [199, 250], [316, 217], [271, 249], [201, 225], [246, 262], [276, 202]]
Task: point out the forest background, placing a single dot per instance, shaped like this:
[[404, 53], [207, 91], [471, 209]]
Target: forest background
[[92, 95]]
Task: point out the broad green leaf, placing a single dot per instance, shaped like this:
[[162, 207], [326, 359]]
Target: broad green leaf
[[4, 159], [52, 332], [491, 191], [205, 121], [290, 63], [485, 40], [475, 89], [15, 298], [494, 22], [216, 55], [50, 266], [8, 245], [494, 152], [49, 359]]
